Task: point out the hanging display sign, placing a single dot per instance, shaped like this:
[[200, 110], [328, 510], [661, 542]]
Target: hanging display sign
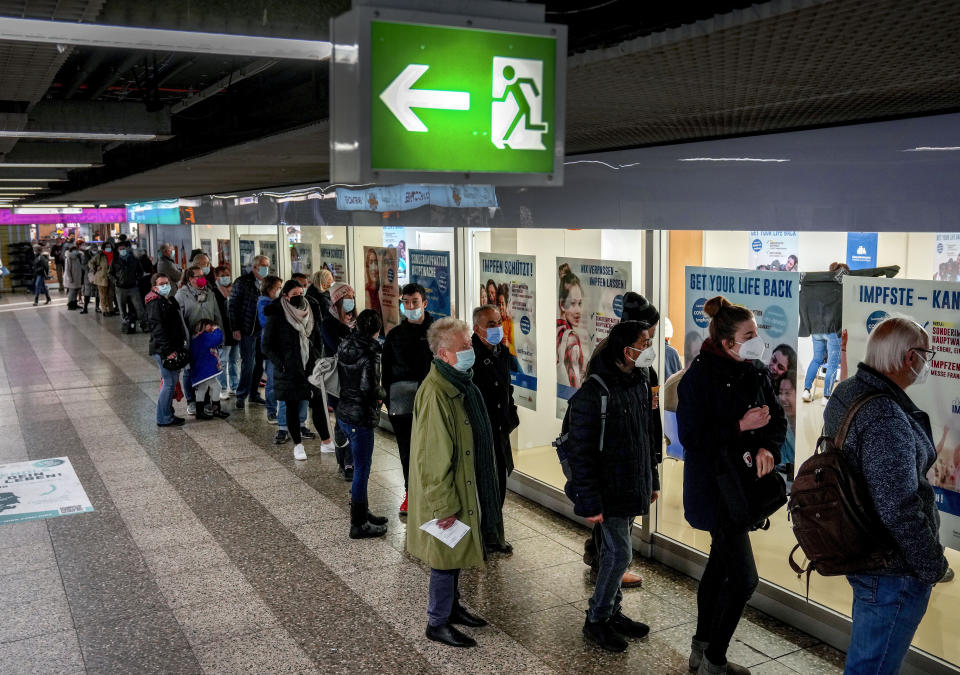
[[396, 237], [407, 197], [934, 305], [589, 305], [774, 251], [333, 257], [774, 299], [511, 287], [947, 258], [39, 216], [861, 250], [431, 269], [40, 489], [381, 290]]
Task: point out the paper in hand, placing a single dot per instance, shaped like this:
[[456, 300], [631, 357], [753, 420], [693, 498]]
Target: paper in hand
[[450, 536]]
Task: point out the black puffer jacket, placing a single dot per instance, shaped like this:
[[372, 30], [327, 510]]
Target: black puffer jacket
[[358, 363], [125, 271], [406, 354], [281, 344], [715, 393], [167, 332], [620, 480], [223, 304]]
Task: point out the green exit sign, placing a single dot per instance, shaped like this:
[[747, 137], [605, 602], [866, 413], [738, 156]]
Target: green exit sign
[[440, 98]]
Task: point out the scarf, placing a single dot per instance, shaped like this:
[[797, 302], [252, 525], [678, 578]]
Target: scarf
[[302, 322], [484, 459]]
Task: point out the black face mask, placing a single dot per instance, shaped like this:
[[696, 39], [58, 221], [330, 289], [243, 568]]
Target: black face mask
[[297, 301]]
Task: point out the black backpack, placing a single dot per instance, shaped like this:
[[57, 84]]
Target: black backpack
[[561, 441], [833, 517]]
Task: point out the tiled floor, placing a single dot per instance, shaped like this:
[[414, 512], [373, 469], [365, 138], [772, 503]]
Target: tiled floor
[[211, 550]]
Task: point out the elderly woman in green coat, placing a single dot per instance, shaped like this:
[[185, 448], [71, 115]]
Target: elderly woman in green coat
[[452, 477]]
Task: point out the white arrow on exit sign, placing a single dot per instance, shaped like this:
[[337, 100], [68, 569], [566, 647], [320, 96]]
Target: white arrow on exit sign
[[401, 98]]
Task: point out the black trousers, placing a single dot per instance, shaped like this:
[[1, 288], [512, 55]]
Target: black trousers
[[317, 410], [257, 374], [403, 429], [728, 581]]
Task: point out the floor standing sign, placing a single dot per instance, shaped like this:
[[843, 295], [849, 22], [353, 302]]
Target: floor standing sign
[[935, 305], [40, 489]]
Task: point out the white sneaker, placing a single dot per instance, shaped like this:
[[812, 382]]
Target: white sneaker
[[807, 396], [224, 395], [299, 452], [825, 400], [328, 447], [191, 408]]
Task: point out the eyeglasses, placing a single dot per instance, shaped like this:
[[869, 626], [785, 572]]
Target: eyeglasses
[[925, 354]]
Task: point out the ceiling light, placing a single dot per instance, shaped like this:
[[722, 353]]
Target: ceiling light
[[22, 188], [47, 165], [731, 159], [16, 194], [4, 179], [78, 135], [934, 148], [45, 205]]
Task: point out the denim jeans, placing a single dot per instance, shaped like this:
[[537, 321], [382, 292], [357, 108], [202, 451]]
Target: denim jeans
[[248, 357], [230, 362], [444, 592], [40, 287], [165, 402], [188, 391], [826, 347], [282, 414], [615, 557], [886, 613], [268, 390], [361, 443]]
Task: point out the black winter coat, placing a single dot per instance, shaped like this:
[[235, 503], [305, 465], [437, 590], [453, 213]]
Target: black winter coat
[[243, 305], [491, 374], [125, 272], [714, 394], [620, 479], [319, 303], [334, 332], [167, 332], [358, 364], [406, 353], [281, 344], [223, 305]]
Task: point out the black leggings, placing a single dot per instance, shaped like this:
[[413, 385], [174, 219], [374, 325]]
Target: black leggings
[[728, 581], [317, 411], [403, 430]]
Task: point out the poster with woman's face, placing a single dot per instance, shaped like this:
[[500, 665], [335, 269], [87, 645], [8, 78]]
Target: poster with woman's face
[[381, 289], [589, 305]]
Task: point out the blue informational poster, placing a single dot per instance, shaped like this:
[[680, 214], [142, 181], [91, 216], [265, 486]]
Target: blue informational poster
[[861, 250], [431, 269], [774, 250]]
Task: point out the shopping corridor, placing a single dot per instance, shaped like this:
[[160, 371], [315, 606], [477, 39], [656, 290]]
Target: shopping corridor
[[210, 550]]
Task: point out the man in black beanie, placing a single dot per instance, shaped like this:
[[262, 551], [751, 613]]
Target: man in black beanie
[[635, 308]]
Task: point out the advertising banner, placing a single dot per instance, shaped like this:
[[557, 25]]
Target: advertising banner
[[407, 197], [395, 236], [947, 258], [381, 292], [775, 251], [861, 250], [511, 286], [40, 489], [935, 305], [334, 258], [774, 299], [589, 305], [431, 269]]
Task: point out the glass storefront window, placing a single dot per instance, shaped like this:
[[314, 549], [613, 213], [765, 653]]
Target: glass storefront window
[[312, 248], [256, 240]]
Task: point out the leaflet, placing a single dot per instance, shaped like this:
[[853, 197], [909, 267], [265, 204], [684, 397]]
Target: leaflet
[[450, 536]]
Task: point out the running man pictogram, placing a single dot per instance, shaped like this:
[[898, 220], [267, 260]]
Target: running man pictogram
[[517, 104]]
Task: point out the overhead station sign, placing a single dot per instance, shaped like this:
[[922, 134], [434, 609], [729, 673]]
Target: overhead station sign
[[443, 98]]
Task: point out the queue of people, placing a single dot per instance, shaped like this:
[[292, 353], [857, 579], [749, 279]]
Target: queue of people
[[446, 387]]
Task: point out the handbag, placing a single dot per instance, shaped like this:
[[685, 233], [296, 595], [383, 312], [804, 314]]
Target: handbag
[[749, 501], [402, 396], [326, 376], [179, 360]]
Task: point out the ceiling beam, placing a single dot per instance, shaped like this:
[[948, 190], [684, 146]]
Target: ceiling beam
[[153, 39], [41, 154], [98, 117], [248, 70]]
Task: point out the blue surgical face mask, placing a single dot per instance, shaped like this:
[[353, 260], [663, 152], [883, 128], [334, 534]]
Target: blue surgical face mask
[[205, 270], [107, 249], [349, 305], [263, 270], [124, 253], [224, 281], [164, 290], [495, 335], [413, 314], [465, 360]]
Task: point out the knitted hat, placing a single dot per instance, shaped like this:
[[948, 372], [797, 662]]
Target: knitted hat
[[337, 293], [638, 308]]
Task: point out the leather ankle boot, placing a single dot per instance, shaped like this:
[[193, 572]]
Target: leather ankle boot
[[360, 528]]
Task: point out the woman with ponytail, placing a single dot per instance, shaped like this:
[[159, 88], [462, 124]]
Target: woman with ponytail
[[728, 411]]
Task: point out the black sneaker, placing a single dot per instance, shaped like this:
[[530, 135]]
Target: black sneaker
[[627, 626], [306, 433], [604, 636], [239, 404], [258, 400], [177, 422], [348, 474], [281, 437]]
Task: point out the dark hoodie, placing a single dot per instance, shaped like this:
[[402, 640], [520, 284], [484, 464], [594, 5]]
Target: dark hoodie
[[358, 364]]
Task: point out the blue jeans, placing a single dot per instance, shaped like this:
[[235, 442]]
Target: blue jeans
[[165, 402], [282, 414], [615, 556], [443, 594], [188, 391], [248, 357], [230, 362], [361, 443], [268, 390], [826, 347], [886, 613]]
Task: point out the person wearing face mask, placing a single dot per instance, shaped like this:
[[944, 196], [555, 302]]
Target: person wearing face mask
[[491, 375], [125, 275], [167, 266], [99, 264], [614, 470], [197, 303], [338, 324], [230, 352], [270, 289], [246, 327], [168, 335], [727, 404], [319, 292], [202, 260], [406, 362], [889, 448], [452, 478]]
